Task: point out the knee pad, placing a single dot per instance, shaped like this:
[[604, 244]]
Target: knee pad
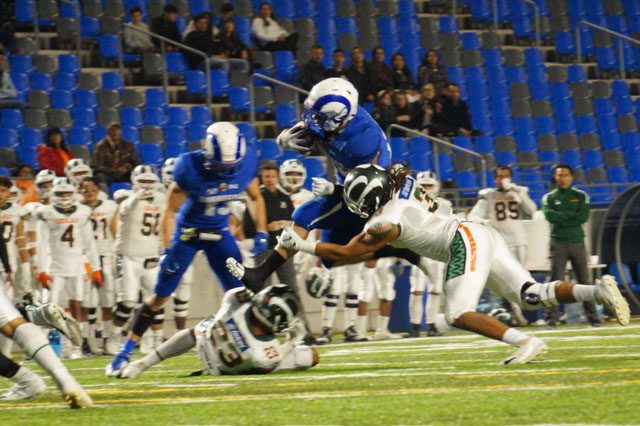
[[159, 317], [536, 295], [331, 301], [180, 308], [122, 311]]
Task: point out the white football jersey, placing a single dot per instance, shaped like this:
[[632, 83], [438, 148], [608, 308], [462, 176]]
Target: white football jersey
[[503, 211], [303, 261], [101, 216], [226, 344], [139, 227], [10, 216], [425, 227], [300, 197], [69, 236]]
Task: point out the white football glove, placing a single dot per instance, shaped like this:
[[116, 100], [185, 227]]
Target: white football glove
[[321, 186], [290, 240], [292, 139]]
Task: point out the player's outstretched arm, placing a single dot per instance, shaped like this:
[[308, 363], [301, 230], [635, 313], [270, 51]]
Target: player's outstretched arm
[[175, 199]]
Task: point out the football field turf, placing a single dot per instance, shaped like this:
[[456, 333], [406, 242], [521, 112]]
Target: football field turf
[[589, 375]]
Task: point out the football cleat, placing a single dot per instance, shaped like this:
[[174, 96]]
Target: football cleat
[[384, 335], [325, 337], [528, 350], [117, 364], [53, 315], [28, 385], [76, 353], [133, 370], [351, 335], [146, 343], [411, 334], [432, 331], [236, 268], [77, 398], [608, 295]]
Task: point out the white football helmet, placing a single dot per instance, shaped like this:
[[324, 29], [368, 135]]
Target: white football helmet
[[121, 194], [76, 170], [429, 181], [224, 147], [42, 178], [331, 103], [62, 193], [167, 171], [289, 181], [144, 178], [15, 196]]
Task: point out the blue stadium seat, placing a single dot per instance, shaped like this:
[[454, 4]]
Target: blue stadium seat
[[290, 155], [537, 74], [86, 99], [485, 144], [196, 132], [21, 64], [21, 83], [80, 136], [586, 124], [467, 180], [42, 81], [399, 149], [285, 66], [268, 149], [603, 106], [239, 99], [156, 98], [178, 116], [99, 133], [285, 9], [447, 171], [89, 27], [526, 142], [5, 172], [548, 157], [533, 58], [503, 125], [61, 99], [306, 9], [407, 8], [630, 141], [515, 74], [201, 115], [524, 125], [112, 81], [84, 117], [619, 89], [315, 168], [565, 44], [176, 62], [624, 106], [593, 158], [24, 12], [586, 40], [545, 125], [131, 134], [151, 154], [476, 76], [606, 59], [9, 138], [615, 270], [108, 46], [175, 150], [481, 10], [249, 132], [600, 194], [118, 185], [68, 63], [492, 58], [285, 116], [257, 81], [462, 141], [576, 73], [64, 81], [482, 122], [448, 24], [540, 90], [131, 116], [28, 154], [347, 25], [420, 146], [506, 158], [175, 135], [421, 162], [243, 27], [31, 137], [198, 6], [572, 158], [155, 117], [219, 83]]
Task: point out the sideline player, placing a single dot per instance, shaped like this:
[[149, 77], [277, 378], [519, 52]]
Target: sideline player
[[197, 217], [502, 208], [241, 337], [402, 214], [348, 135]]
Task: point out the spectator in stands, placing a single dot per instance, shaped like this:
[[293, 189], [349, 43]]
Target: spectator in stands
[[7, 89], [402, 78], [312, 72], [192, 25], [135, 41], [166, 26], [453, 118], [226, 12], [567, 210], [215, 47], [337, 69], [383, 111], [426, 110], [53, 154], [380, 70], [403, 111], [270, 34], [23, 170], [361, 77], [114, 158], [7, 24], [432, 71], [236, 49]]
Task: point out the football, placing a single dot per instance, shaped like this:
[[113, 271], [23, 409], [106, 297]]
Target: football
[[308, 140]]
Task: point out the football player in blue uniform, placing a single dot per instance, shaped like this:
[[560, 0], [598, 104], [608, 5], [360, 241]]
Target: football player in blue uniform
[[196, 218], [349, 136]]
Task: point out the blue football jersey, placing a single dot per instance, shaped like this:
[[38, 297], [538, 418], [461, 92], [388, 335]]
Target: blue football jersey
[[359, 143], [208, 192]]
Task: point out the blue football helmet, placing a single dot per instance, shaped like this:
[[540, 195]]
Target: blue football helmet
[[224, 148], [330, 104]]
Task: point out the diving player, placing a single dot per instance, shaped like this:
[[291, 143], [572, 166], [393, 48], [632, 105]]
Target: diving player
[[502, 208], [401, 214], [349, 136], [241, 337], [205, 181]]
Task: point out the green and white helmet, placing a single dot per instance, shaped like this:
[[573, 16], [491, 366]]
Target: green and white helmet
[[277, 307], [366, 188]]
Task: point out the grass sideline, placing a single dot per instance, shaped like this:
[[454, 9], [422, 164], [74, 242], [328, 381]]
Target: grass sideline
[[589, 375]]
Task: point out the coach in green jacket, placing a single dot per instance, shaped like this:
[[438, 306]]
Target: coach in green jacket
[[567, 209]]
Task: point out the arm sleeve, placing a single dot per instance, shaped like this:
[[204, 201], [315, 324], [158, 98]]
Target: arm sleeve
[[528, 206], [4, 257], [582, 215], [479, 212], [128, 205]]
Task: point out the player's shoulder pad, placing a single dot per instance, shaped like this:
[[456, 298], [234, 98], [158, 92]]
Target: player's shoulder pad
[[83, 209], [485, 193], [184, 164], [44, 212]]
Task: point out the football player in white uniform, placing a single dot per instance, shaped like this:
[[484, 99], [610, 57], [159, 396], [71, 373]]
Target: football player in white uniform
[[182, 295], [103, 215], [502, 208], [402, 214], [65, 228], [76, 170], [241, 337], [419, 281], [138, 247]]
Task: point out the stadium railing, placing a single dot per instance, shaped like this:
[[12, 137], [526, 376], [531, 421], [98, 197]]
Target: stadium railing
[[252, 113], [606, 30]]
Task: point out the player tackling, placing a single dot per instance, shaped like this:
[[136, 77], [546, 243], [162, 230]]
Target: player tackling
[[401, 214]]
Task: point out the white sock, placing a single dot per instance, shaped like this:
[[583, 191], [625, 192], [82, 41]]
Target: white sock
[[108, 328], [350, 310], [22, 374], [84, 329], [584, 292], [37, 347], [433, 307], [514, 337], [115, 331], [329, 312], [362, 324], [177, 344], [157, 333], [383, 322], [5, 345]]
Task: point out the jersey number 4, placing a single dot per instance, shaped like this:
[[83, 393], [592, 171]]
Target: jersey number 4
[[67, 236], [510, 208], [150, 223]]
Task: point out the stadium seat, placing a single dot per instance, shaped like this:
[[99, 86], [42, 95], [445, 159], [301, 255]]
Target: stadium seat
[[28, 154], [9, 138], [131, 116], [201, 115], [61, 99], [155, 117], [196, 82], [31, 137], [42, 81], [131, 134], [268, 149], [151, 154], [196, 132], [80, 136], [285, 116], [178, 116], [156, 98], [399, 149], [112, 80], [84, 117], [239, 99], [5, 172], [86, 99]]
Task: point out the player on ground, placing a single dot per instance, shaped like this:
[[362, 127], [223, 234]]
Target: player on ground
[[103, 214], [241, 337], [65, 228], [26, 335], [348, 135], [197, 209], [433, 282], [402, 214], [502, 208]]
